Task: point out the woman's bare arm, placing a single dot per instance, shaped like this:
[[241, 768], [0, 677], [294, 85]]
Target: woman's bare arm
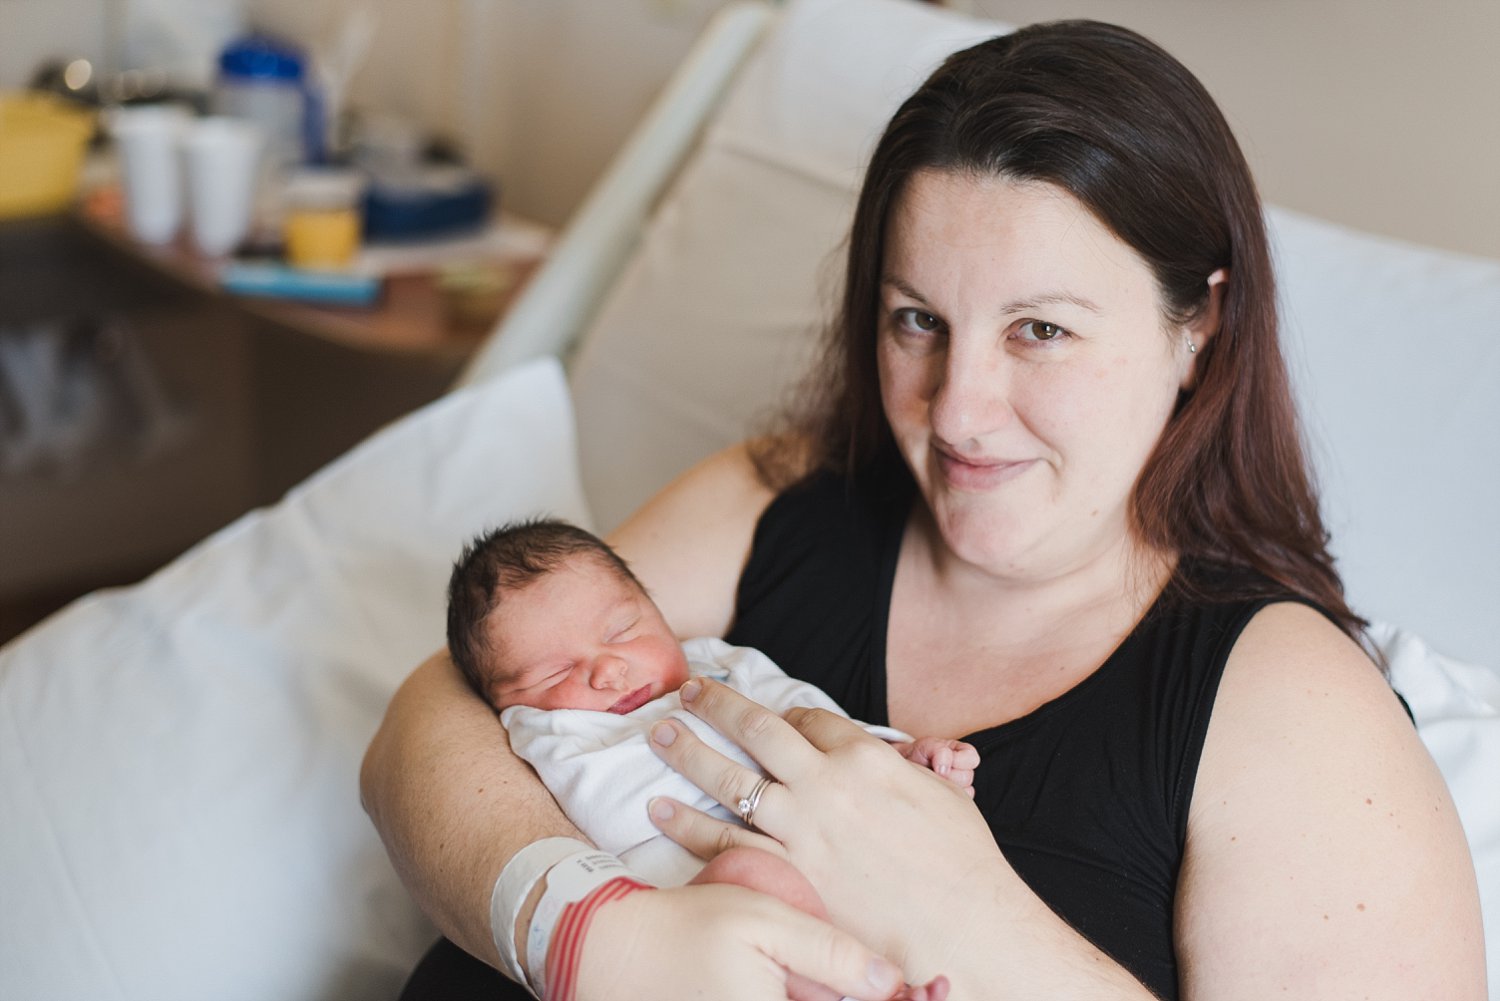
[[1325, 858], [450, 800]]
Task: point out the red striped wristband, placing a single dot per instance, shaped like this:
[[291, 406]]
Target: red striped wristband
[[566, 949]]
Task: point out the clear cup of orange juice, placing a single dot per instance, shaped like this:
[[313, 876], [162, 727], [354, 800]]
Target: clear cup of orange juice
[[321, 222]]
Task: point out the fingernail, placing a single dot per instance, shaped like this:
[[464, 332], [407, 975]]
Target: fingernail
[[690, 690], [663, 734], [883, 976], [660, 810]]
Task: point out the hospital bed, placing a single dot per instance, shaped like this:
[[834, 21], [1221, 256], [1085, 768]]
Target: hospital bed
[[179, 812]]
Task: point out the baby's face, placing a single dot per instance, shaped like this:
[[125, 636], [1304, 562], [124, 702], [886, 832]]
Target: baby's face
[[582, 637]]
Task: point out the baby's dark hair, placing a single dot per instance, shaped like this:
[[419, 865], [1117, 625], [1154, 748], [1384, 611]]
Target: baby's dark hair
[[506, 559]]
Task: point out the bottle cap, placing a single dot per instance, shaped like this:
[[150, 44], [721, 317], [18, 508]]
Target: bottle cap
[[261, 57]]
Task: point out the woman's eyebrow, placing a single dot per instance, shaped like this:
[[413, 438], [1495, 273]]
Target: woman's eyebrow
[[1022, 305], [1049, 299], [891, 281]]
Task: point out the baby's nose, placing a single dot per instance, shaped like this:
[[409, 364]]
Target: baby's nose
[[609, 672]]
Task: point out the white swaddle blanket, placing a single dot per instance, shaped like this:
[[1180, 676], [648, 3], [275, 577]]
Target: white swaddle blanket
[[601, 770]]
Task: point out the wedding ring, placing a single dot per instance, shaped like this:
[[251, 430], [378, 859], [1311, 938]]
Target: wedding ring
[[746, 806]]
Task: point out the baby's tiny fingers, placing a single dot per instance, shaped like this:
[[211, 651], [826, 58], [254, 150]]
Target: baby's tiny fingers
[[961, 777], [965, 755], [942, 760]]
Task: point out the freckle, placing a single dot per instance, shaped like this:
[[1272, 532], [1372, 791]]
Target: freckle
[[1325, 917], [1232, 838], [1359, 907], [1368, 801]]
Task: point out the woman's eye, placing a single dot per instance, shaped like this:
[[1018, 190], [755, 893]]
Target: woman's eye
[[917, 321], [1040, 330]]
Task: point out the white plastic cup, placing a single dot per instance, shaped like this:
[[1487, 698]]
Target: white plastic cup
[[223, 164], [147, 138]]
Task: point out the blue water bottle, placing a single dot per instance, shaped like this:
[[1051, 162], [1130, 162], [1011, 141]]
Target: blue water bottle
[[267, 81]]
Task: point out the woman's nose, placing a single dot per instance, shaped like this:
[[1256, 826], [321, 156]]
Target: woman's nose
[[608, 672], [971, 398]]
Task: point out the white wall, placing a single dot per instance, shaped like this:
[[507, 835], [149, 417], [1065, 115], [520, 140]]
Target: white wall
[[178, 36], [1382, 114], [34, 30], [541, 93]]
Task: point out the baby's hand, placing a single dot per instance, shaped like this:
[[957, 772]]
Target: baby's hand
[[935, 991], [951, 759]]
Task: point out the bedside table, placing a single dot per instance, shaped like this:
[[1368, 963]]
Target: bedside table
[[270, 390]]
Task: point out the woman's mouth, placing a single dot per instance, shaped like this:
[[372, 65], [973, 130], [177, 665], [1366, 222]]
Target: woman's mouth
[[632, 702], [978, 473]]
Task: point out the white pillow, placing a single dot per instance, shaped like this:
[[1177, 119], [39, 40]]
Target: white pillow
[[179, 760], [1395, 353]]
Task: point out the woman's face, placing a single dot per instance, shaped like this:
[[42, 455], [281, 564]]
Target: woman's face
[[1025, 368]]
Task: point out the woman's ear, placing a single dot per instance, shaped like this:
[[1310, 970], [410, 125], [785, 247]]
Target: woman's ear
[[1201, 329]]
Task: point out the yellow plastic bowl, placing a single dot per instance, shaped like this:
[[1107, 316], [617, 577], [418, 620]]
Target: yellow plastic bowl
[[42, 141]]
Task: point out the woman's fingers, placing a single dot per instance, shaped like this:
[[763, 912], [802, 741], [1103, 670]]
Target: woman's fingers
[[765, 736], [743, 792], [723, 942], [706, 836], [828, 956], [828, 731]]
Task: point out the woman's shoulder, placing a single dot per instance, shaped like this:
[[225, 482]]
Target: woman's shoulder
[[1264, 620]]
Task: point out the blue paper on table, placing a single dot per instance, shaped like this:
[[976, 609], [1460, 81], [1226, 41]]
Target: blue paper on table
[[282, 282]]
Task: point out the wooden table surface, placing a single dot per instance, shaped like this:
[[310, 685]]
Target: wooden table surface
[[411, 315]]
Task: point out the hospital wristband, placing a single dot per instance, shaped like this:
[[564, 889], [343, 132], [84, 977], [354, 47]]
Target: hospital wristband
[[517, 880], [566, 949], [570, 881]]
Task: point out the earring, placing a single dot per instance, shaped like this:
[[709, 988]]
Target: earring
[[1192, 348]]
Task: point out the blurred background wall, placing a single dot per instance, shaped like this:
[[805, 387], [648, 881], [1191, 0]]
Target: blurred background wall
[[1381, 114]]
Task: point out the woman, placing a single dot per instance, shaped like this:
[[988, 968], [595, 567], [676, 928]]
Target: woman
[[1053, 502]]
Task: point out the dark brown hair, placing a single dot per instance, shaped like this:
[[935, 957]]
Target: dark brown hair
[[506, 559], [1108, 116]]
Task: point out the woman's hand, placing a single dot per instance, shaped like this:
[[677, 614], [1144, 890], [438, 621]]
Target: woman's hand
[[722, 942], [894, 851]]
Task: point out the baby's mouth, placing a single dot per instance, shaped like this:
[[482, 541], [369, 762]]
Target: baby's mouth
[[633, 701]]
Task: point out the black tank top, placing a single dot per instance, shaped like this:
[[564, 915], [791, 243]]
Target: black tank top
[[1087, 795]]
